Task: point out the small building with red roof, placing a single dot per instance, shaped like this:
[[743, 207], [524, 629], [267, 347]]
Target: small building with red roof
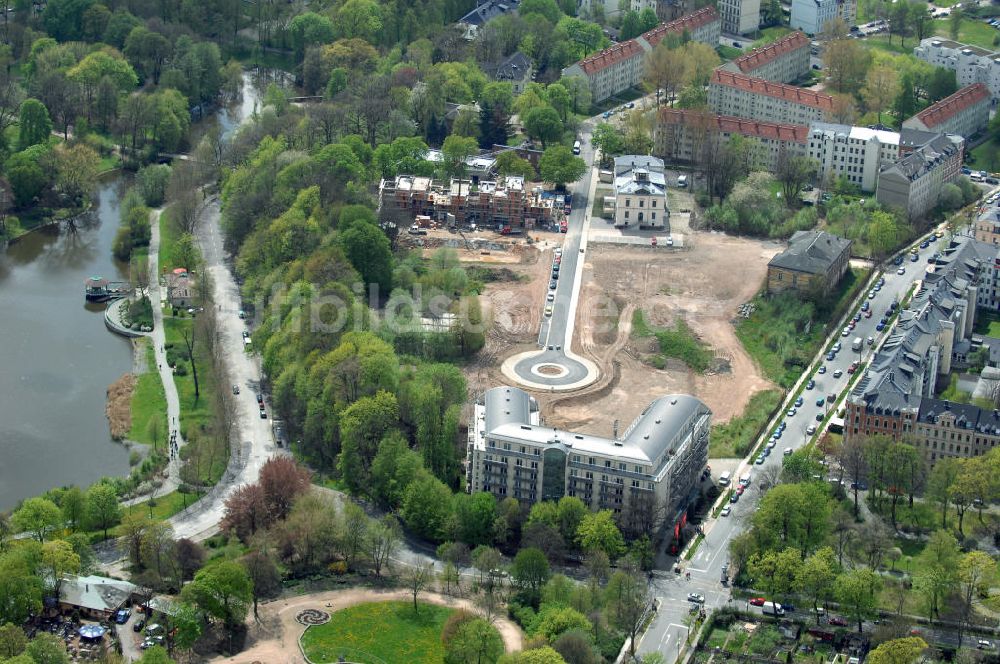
[[783, 61]]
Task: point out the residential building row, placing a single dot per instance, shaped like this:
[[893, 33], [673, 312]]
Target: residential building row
[[621, 66], [505, 203], [742, 96], [813, 262], [812, 16], [640, 193], [895, 395], [971, 64], [783, 61], [852, 152], [653, 468], [914, 182], [740, 17], [965, 113]]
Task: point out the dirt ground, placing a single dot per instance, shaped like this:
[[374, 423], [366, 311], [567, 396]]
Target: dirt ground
[[118, 408], [702, 284], [275, 640]]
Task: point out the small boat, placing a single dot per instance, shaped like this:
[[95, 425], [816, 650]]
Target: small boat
[[99, 289]]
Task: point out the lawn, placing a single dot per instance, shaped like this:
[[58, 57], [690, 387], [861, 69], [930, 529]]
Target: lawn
[[164, 507], [772, 34], [988, 323], [985, 156], [972, 32], [735, 437], [379, 632], [597, 209], [148, 403], [678, 342], [168, 241], [883, 43], [728, 52]]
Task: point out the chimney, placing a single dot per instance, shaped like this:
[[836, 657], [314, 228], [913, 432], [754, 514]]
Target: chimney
[[614, 430]]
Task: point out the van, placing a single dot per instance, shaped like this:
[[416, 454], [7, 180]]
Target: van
[[745, 480], [725, 478], [576, 147], [682, 180], [772, 609]]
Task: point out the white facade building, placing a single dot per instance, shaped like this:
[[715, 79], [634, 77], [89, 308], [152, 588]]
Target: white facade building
[[742, 96], [640, 193], [971, 64], [811, 16], [857, 153], [783, 61], [739, 17]]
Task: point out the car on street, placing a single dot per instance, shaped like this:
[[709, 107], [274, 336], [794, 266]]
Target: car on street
[[914, 258], [838, 373], [871, 294], [865, 306], [548, 310], [550, 297], [857, 317], [791, 412], [798, 402], [854, 367], [837, 347], [726, 511], [821, 402], [757, 601], [760, 460], [777, 434], [263, 413], [734, 497], [811, 384], [831, 356], [880, 327], [552, 285], [820, 416], [811, 429], [870, 341], [838, 621], [236, 389], [845, 332], [860, 486], [696, 597], [122, 616], [822, 369], [901, 270], [787, 451], [983, 644], [771, 443], [868, 314]]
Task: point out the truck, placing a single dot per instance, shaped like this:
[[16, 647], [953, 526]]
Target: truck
[[772, 609], [857, 344]]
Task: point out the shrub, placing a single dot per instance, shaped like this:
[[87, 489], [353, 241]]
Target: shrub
[[338, 567]]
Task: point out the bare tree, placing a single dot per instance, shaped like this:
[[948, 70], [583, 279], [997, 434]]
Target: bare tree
[[854, 461], [382, 541], [629, 598], [184, 193], [417, 577], [793, 171], [189, 342]]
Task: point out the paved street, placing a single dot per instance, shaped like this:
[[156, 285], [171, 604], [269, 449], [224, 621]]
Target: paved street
[[668, 627]]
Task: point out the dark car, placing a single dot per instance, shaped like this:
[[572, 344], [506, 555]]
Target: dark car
[[819, 417], [811, 384], [122, 616], [263, 413], [838, 621], [552, 285], [260, 398], [914, 258], [821, 401], [139, 624]]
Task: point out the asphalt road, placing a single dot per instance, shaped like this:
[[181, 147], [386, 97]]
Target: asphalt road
[[668, 630]]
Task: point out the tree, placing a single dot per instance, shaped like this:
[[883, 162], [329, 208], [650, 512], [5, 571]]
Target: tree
[[265, 578], [155, 655], [977, 571], [12, 641], [246, 511], [427, 506], [608, 140], [369, 251], [543, 655], [942, 477], [668, 69], [59, 559], [359, 19], [857, 590], [576, 647], [47, 649], [476, 517], [598, 532], [34, 125], [190, 556], [543, 123], [456, 149], [310, 29], [223, 591], [854, 461], [416, 578], [38, 517], [898, 651], [76, 170], [955, 22], [846, 62], [815, 577], [881, 87], [559, 165], [628, 597], [26, 172], [283, 480], [793, 172], [474, 642], [382, 540], [508, 163], [20, 589], [530, 570], [775, 571], [554, 619], [937, 570]]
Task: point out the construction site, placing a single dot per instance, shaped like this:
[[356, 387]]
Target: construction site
[[703, 284]]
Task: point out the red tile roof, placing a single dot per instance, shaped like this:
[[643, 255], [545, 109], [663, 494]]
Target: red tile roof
[[943, 110], [732, 125], [765, 54], [611, 56], [691, 22], [790, 93]]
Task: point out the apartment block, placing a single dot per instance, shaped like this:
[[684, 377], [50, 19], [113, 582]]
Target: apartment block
[[987, 226], [739, 17], [783, 61], [640, 193], [654, 468], [914, 182], [971, 64], [680, 135], [896, 395], [742, 96], [965, 113], [504, 204], [811, 16], [621, 66], [857, 153]]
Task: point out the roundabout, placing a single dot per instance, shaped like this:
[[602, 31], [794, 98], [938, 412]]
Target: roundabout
[[550, 370]]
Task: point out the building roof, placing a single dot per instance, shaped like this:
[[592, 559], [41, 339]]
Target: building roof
[[944, 110], [911, 139], [510, 413], [487, 10], [733, 125], [819, 100], [958, 46], [761, 56], [514, 68], [812, 252], [855, 132], [610, 56], [96, 593], [688, 23], [925, 159]]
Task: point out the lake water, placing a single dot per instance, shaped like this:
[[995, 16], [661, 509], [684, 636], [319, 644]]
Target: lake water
[[56, 357]]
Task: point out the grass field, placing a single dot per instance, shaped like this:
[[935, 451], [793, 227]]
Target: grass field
[[728, 52], [148, 403], [772, 34], [973, 32], [678, 342], [734, 438], [168, 242], [379, 632], [882, 43], [986, 157], [164, 507]]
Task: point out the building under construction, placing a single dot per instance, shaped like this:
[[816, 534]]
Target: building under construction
[[503, 204]]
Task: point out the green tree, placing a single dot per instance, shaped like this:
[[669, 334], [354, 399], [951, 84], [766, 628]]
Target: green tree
[[367, 247], [774, 571], [38, 517], [47, 649], [547, 8], [559, 165], [476, 517], [474, 642], [608, 140], [310, 29], [456, 150], [543, 655], [20, 589], [530, 570], [508, 163], [543, 124], [427, 506], [76, 170], [857, 591], [12, 641], [815, 577], [955, 22], [394, 468], [103, 509], [898, 651], [34, 125], [27, 174], [937, 570], [58, 560], [553, 620], [361, 19], [977, 572], [598, 532], [155, 655], [939, 483], [628, 598], [223, 591]]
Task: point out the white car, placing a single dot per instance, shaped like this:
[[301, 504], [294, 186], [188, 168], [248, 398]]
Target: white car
[[845, 332], [696, 597], [901, 270], [726, 511], [550, 297]]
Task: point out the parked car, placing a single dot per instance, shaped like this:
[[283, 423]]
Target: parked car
[[822, 369], [838, 621], [838, 373], [811, 429], [821, 402], [757, 601], [122, 616], [811, 384], [791, 412], [139, 624], [726, 511], [798, 402]]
